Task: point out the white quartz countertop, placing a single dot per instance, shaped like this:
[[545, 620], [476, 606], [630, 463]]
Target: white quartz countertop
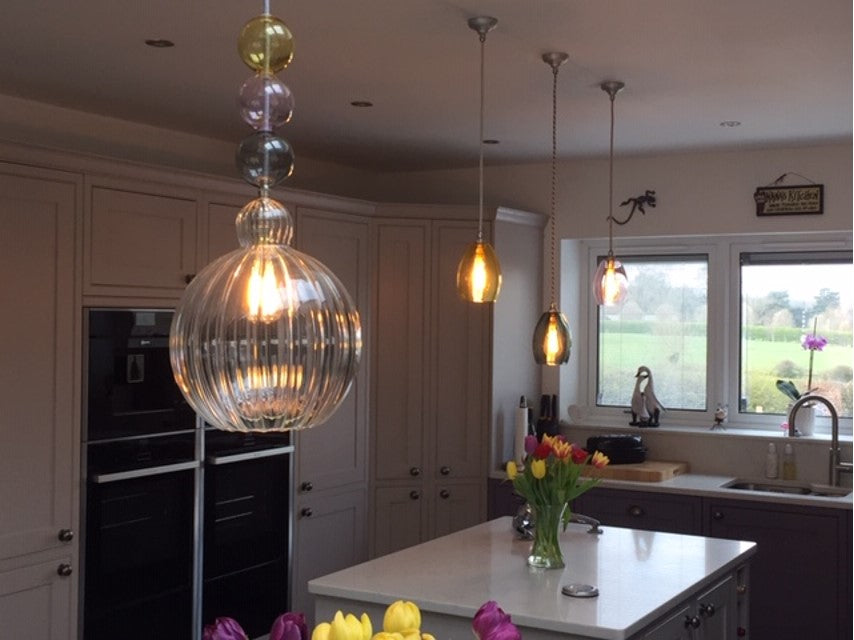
[[715, 486], [640, 576]]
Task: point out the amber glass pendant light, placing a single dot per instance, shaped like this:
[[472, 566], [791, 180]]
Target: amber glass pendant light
[[479, 273], [610, 284], [552, 342], [265, 338]]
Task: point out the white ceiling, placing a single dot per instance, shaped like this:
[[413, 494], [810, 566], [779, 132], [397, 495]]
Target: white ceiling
[[783, 68]]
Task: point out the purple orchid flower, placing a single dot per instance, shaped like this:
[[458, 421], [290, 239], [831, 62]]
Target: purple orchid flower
[[289, 626], [491, 623], [224, 629], [530, 444], [813, 342]]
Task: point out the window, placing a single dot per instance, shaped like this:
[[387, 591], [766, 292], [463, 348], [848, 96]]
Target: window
[[662, 326], [718, 320], [784, 297]]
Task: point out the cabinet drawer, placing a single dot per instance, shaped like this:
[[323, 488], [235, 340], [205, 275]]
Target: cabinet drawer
[[641, 510]]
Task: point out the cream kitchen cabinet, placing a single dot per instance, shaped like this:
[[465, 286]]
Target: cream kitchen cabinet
[[147, 241], [39, 409], [431, 391], [330, 515], [138, 242]]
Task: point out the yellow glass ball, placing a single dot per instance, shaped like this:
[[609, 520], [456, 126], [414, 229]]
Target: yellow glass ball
[[266, 44]]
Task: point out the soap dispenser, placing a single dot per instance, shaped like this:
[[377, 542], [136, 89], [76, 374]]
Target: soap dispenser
[[790, 471], [771, 461]]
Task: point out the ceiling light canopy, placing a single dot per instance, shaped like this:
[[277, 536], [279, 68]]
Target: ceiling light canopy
[[552, 341], [479, 272], [265, 338]]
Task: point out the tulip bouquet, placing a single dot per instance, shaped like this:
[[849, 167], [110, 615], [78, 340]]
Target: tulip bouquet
[[549, 480], [402, 621]]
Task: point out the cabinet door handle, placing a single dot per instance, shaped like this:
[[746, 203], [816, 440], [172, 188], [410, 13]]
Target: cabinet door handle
[[718, 515], [65, 535], [741, 589], [444, 493], [306, 512], [306, 486], [707, 610], [692, 622], [414, 495], [445, 471], [64, 570], [636, 511], [415, 471]]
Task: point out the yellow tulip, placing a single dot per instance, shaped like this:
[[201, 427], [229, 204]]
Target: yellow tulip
[[386, 635], [538, 469], [427, 636], [402, 616], [321, 631], [512, 470]]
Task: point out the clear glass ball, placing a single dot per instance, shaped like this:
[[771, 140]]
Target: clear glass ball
[[264, 159], [265, 338], [266, 44], [265, 102]]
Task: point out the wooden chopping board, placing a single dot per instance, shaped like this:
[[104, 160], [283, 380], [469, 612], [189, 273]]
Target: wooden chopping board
[[648, 471]]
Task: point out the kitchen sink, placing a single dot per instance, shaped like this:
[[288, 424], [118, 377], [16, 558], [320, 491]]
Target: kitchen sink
[[791, 488]]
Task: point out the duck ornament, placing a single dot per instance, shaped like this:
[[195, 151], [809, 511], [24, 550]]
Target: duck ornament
[[646, 408]]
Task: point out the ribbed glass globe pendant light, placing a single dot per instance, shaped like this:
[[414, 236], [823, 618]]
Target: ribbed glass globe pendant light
[[552, 342], [610, 283], [479, 272], [265, 338]]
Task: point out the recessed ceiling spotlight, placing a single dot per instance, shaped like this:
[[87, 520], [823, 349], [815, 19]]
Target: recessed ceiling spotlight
[[363, 104], [159, 43], [730, 123], [491, 141]]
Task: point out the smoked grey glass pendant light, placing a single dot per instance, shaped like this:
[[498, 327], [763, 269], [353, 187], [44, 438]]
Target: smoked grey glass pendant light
[[479, 273], [610, 283], [265, 338], [552, 341]]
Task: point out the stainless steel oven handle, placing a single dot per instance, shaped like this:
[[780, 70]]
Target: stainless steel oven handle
[[250, 455], [104, 478]]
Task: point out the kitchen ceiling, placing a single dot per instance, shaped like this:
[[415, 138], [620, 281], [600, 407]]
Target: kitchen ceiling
[[782, 68]]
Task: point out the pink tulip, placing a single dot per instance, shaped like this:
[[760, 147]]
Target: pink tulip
[[224, 629], [289, 626], [530, 444], [491, 623]]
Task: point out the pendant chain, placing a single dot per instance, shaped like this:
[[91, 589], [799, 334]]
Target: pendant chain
[[611, 184], [554, 179], [480, 146]]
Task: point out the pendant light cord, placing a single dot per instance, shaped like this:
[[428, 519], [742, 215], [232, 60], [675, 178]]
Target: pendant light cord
[[554, 180], [480, 144], [611, 183]]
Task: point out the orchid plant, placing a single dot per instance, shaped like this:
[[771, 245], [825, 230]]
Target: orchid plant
[[811, 342]]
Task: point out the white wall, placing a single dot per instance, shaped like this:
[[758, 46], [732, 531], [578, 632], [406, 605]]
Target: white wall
[[698, 193]]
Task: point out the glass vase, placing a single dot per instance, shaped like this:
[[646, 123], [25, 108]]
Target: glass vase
[[545, 551]]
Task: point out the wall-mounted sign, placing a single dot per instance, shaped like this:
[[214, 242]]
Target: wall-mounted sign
[[792, 200]]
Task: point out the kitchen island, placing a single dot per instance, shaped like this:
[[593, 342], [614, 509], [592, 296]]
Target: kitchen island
[[649, 584]]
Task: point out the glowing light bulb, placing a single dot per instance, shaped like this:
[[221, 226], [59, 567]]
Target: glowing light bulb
[[478, 276], [264, 293], [552, 341], [610, 284]]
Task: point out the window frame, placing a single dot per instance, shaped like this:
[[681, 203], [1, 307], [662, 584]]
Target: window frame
[[723, 337]]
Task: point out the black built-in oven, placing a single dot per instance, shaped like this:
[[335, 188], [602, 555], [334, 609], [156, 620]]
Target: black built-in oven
[[130, 388], [182, 524], [140, 538], [247, 528]]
